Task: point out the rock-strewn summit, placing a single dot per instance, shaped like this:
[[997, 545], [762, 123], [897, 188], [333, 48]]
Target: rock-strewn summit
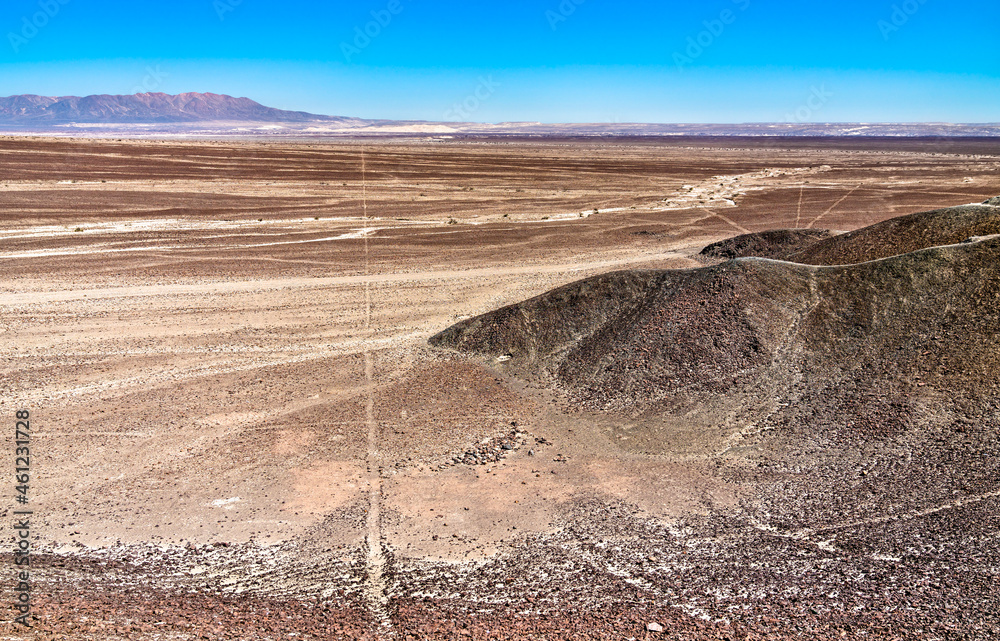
[[904, 234], [892, 237], [775, 243]]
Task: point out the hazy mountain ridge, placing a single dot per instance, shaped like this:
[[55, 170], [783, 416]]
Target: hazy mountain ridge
[[144, 108], [217, 114]]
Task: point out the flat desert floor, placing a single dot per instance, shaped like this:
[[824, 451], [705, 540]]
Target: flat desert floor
[[240, 431]]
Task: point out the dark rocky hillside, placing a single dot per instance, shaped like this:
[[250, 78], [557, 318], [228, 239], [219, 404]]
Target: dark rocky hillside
[[905, 234], [777, 244]]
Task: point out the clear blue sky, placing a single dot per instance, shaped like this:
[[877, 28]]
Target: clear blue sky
[[547, 60]]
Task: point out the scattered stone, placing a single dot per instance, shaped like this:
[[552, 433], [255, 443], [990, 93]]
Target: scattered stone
[[490, 451]]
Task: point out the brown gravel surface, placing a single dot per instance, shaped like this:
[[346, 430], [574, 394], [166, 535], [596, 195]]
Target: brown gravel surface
[[227, 445]]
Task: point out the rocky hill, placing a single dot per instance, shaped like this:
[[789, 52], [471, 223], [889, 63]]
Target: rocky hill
[[834, 387], [892, 237], [877, 346], [757, 333], [904, 234]]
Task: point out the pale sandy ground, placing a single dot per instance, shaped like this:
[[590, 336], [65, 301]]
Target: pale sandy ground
[[210, 365]]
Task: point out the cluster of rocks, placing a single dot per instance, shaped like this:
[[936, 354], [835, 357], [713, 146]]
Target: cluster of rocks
[[491, 450], [143, 613]]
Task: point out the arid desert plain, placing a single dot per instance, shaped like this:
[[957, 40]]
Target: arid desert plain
[[240, 428]]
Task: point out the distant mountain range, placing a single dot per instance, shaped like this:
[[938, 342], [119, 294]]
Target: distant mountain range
[[209, 114], [144, 108]]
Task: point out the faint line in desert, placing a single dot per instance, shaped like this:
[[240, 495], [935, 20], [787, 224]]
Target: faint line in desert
[[125, 385], [915, 514], [806, 534], [314, 283], [375, 590], [833, 206], [728, 220], [798, 211]]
